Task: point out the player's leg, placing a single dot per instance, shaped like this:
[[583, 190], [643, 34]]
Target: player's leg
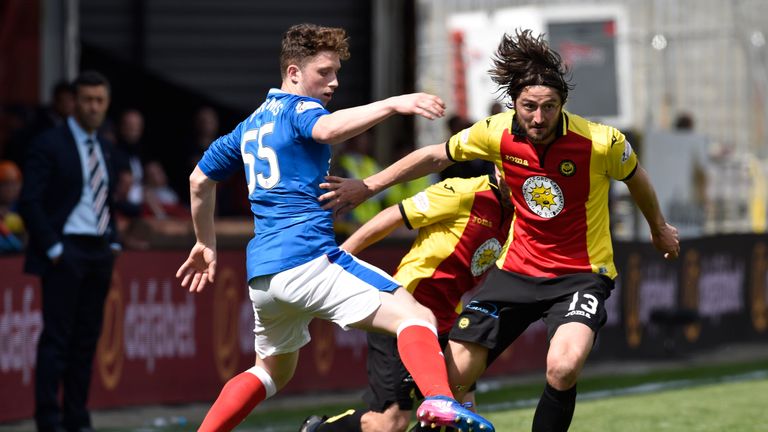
[[281, 329], [420, 352], [417, 342], [243, 392], [415, 326], [466, 363], [573, 322], [390, 395], [390, 420], [500, 310], [567, 353]]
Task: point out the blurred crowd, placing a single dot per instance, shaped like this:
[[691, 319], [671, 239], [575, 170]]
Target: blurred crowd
[[147, 204], [153, 207]]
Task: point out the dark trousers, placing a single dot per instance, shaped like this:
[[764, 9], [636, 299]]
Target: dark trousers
[[74, 290]]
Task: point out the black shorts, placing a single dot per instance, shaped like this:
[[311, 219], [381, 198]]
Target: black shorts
[[388, 380], [507, 303]]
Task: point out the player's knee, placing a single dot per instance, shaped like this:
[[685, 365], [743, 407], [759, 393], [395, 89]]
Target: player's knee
[[562, 373], [416, 312], [423, 313]]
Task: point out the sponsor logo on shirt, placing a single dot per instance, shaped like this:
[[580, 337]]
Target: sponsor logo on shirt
[[421, 201], [627, 152], [517, 160], [482, 221], [543, 196], [464, 136]]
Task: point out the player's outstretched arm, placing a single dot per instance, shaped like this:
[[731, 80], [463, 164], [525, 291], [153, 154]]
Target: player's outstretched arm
[[374, 230], [341, 125], [200, 267], [345, 194], [663, 235]]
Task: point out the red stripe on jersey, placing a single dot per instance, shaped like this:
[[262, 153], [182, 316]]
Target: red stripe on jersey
[[550, 195], [453, 276]]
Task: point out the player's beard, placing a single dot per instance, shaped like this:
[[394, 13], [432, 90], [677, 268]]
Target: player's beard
[[541, 139]]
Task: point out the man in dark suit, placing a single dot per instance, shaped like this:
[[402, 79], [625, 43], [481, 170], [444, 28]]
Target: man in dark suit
[[66, 205]]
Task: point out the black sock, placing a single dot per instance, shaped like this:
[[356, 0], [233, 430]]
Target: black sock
[[348, 421], [555, 410]]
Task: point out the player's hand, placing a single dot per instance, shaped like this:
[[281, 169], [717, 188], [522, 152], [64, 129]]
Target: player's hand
[[344, 194], [423, 104], [199, 269], [666, 241]]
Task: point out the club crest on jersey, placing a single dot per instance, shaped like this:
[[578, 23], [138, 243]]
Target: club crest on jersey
[[567, 168], [627, 152], [485, 256], [306, 106], [543, 196]]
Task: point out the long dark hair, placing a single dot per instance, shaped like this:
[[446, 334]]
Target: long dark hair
[[523, 60]]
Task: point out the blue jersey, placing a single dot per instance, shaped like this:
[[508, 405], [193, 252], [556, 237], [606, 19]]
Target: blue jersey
[[284, 167]]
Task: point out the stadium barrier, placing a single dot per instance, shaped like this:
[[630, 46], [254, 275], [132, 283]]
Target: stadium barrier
[[163, 345]]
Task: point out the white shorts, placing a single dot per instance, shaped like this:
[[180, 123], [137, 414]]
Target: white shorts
[[336, 287]]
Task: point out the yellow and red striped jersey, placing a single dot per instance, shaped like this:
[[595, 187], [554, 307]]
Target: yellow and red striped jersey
[[462, 227], [561, 221]]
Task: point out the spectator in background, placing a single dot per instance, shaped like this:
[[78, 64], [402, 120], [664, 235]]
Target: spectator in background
[[684, 122], [19, 127], [134, 232], [62, 106], [205, 130], [12, 234], [129, 155], [66, 203], [466, 169], [401, 191], [355, 160], [160, 200], [25, 123], [496, 108]]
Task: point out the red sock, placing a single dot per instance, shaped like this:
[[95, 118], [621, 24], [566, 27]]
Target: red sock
[[422, 356], [237, 399]]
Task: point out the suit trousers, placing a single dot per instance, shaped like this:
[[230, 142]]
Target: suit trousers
[[74, 290]]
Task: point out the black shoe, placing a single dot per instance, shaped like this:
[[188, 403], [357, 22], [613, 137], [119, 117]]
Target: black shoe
[[311, 423]]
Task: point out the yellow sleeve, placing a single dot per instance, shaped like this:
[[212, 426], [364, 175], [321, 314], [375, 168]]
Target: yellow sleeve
[[621, 160], [436, 203], [479, 141]]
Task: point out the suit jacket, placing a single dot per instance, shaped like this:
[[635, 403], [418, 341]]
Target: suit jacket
[[53, 183]]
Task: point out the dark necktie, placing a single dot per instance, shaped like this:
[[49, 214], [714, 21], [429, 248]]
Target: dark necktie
[[98, 182]]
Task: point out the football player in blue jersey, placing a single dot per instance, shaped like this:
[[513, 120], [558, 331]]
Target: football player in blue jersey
[[295, 269]]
